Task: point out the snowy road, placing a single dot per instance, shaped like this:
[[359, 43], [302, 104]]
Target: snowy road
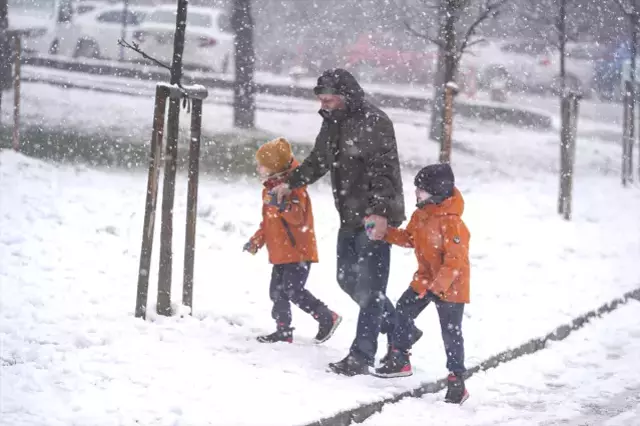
[[590, 379]]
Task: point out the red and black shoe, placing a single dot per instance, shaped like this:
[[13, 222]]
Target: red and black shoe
[[456, 390], [397, 365], [327, 326], [417, 334], [282, 334]]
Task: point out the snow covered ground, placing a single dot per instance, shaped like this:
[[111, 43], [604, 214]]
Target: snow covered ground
[[72, 353], [590, 379]]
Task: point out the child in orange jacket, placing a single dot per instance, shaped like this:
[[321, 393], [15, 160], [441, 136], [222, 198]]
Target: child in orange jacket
[[440, 239], [288, 232]]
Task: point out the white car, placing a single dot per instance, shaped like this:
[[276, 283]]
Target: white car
[[209, 41], [96, 32], [42, 24], [527, 65]]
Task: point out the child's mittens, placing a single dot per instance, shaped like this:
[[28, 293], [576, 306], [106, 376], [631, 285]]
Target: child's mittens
[[273, 201], [250, 247], [369, 227]]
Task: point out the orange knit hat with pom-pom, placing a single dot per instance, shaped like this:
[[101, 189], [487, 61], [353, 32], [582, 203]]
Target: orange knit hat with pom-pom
[[275, 155]]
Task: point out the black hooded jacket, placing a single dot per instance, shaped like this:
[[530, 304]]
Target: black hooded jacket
[[358, 146]]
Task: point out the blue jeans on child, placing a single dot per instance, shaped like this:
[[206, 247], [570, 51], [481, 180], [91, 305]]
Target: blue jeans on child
[[410, 305], [287, 285]]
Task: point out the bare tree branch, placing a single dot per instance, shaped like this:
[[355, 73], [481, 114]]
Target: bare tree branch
[[423, 36], [490, 11], [626, 8], [136, 48]]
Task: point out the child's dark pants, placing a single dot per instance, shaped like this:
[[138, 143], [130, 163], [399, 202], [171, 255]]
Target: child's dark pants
[[287, 285], [409, 307]]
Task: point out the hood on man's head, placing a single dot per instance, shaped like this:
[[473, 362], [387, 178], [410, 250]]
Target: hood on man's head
[[338, 81]]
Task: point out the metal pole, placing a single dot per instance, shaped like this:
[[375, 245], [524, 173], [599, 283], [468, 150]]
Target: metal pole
[[192, 204], [16, 95], [151, 201]]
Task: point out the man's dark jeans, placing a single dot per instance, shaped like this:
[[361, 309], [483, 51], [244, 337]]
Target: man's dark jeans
[[363, 273]]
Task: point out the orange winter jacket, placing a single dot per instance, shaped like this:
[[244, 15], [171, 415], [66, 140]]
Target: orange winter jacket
[[441, 242], [289, 234]]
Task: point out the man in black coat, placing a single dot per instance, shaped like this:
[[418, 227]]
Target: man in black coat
[[357, 145]]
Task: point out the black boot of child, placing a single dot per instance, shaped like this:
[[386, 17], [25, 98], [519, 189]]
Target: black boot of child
[[282, 334], [327, 325], [456, 390]]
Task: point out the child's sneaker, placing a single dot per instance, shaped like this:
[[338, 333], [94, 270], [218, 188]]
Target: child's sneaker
[[417, 334], [396, 365], [456, 390], [327, 326], [282, 334]]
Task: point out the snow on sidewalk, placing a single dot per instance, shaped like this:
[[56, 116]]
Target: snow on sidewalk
[[590, 379], [72, 353]]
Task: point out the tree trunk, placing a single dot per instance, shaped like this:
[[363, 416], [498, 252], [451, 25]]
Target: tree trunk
[[5, 51], [564, 107], [450, 52], [446, 67], [244, 89], [178, 42], [562, 38], [632, 79], [436, 127]]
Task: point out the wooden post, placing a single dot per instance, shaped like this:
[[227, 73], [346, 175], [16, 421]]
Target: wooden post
[[151, 201], [16, 94], [192, 204], [163, 305], [571, 154], [628, 127], [446, 142], [564, 147]]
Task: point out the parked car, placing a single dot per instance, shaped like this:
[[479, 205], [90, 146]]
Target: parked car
[[208, 40], [42, 24], [382, 57], [528, 65], [95, 33]]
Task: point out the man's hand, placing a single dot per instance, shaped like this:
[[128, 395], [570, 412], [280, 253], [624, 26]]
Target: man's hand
[[281, 192], [376, 227]]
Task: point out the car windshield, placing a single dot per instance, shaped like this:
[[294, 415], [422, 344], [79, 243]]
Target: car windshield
[[168, 17]]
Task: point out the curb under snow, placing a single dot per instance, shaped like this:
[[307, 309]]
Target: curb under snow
[[363, 412]]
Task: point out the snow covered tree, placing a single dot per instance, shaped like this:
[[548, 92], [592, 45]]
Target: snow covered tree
[[244, 108], [457, 23]]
